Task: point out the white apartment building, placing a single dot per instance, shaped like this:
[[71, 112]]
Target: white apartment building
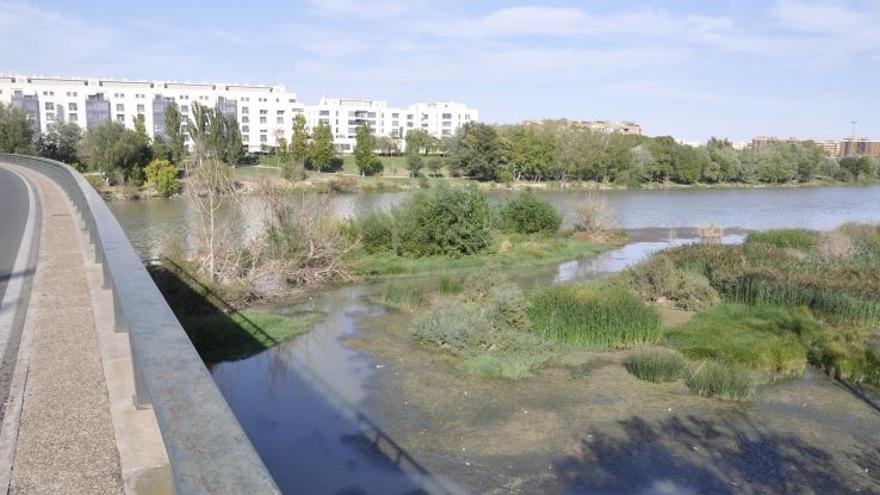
[[344, 116], [263, 111]]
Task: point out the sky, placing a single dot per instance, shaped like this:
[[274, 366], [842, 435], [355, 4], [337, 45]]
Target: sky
[[691, 69]]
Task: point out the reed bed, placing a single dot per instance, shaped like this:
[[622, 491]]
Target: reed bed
[[722, 381], [404, 296], [593, 316]]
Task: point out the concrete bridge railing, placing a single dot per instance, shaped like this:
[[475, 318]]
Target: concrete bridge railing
[[207, 448]]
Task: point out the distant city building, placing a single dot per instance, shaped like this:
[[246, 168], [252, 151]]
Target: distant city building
[[262, 111], [844, 147], [623, 127]]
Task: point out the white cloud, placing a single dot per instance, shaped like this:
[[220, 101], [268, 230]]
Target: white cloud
[[375, 9]]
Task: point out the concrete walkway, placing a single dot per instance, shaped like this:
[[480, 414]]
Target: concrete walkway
[[70, 424], [65, 441]]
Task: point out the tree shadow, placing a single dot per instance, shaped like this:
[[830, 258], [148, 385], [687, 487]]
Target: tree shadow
[[729, 454]]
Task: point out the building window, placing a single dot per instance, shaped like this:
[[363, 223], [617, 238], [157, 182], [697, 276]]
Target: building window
[[447, 116], [245, 138], [184, 108], [262, 120], [279, 120], [292, 100], [140, 108], [324, 113], [120, 117], [72, 107], [447, 123], [245, 119], [280, 113], [245, 128], [74, 117], [244, 110], [50, 117], [50, 105], [264, 112], [263, 138], [120, 107]]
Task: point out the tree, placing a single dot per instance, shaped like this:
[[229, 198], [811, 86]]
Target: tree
[[417, 141], [476, 151], [16, 133], [299, 144], [858, 167], [163, 176], [323, 152], [60, 142], [364, 151], [174, 135], [414, 163], [233, 148], [434, 165], [140, 125], [210, 184], [118, 153], [387, 146]]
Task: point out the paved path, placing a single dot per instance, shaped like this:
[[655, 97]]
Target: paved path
[[65, 438], [13, 214]]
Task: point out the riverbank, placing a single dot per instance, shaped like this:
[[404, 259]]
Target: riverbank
[[249, 178]]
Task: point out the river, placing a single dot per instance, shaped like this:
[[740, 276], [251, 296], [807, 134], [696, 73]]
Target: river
[[355, 406]]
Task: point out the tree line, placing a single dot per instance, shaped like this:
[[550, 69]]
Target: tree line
[[561, 150]]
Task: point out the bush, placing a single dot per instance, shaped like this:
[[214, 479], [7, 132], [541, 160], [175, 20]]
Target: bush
[[715, 379], [594, 216], [376, 230], [509, 367], [163, 176], [526, 213], [414, 163], [786, 238], [655, 365], [596, 316], [450, 222], [659, 278]]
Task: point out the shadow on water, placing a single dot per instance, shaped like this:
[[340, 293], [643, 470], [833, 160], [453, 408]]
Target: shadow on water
[[691, 455], [309, 433]]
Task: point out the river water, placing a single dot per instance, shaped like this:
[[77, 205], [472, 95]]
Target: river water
[[355, 407], [150, 223]]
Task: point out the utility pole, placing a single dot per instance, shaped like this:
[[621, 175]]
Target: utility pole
[[854, 122]]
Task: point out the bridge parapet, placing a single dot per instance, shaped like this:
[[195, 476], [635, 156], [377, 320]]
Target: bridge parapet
[[207, 448]]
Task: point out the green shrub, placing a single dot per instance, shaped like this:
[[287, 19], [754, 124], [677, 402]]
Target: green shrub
[[723, 381], [423, 182], [659, 278], [404, 296], [596, 316], [376, 230], [786, 238], [526, 213], [766, 339], [655, 365], [443, 221], [163, 176]]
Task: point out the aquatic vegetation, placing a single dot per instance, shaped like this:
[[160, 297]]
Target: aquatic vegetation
[[450, 285], [656, 365], [722, 381], [771, 341], [596, 316], [405, 296], [802, 239]]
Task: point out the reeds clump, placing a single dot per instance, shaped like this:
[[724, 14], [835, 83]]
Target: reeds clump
[[404, 296], [659, 280], [656, 365], [595, 316], [722, 381], [594, 216]]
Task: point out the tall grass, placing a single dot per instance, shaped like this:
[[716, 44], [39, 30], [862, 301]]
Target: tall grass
[[404, 296], [594, 316], [656, 365], [722, 381], [513, 367]]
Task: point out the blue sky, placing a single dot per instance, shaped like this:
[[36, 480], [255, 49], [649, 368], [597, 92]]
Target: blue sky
[[690, 69]]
